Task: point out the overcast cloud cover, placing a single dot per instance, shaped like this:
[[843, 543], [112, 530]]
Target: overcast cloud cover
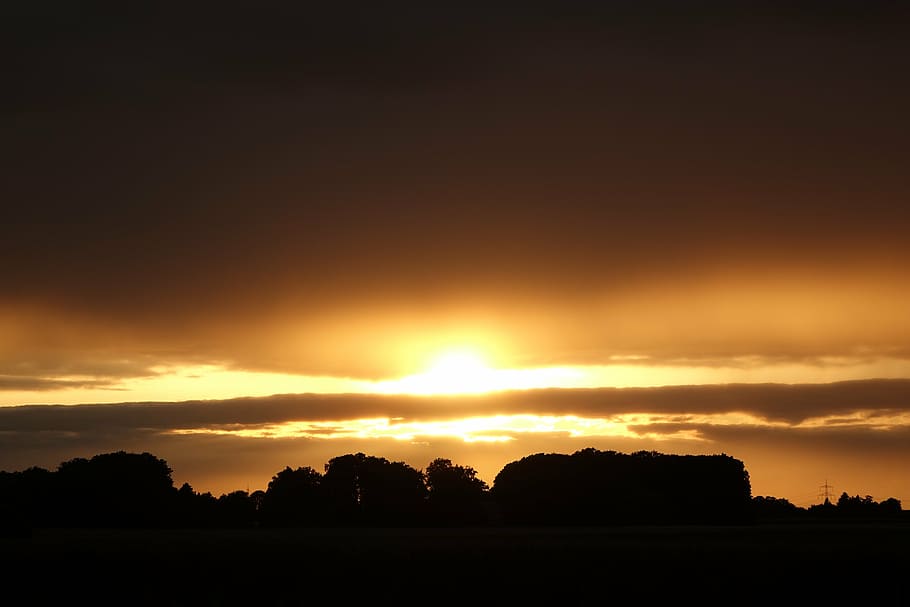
[[300, 187]]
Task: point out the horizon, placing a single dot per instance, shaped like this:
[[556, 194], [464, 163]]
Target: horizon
[[266, 236], [484, 431]]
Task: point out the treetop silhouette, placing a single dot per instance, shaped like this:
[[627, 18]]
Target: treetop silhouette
[[588, 487]]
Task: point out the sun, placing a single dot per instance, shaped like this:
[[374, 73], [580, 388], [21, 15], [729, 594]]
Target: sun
[[460, 370], [451, 372], [467, 371]]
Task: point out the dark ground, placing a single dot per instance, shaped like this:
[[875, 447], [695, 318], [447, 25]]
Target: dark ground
[[812, 564]]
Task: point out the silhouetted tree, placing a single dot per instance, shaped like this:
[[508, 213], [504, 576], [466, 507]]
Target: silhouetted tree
[[890, 507], [774, 508], [455, 495], [25, 500], [824, 510], [366, 490], [293, 497], [866, 507], [606, 487], [236, 509], [588, 487], [192, 509], [114, 489], [257, 497]]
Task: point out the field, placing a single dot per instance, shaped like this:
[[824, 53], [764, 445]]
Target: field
[[856, 564]]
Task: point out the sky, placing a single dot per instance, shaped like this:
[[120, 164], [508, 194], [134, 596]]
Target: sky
[[243, 236]]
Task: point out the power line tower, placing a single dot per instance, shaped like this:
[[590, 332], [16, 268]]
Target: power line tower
[[826, 491]]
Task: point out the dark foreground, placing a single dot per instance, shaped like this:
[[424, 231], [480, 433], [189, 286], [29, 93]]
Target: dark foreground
[[856, 564]]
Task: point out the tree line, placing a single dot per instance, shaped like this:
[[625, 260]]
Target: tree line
[[847, 507], [588, 487]]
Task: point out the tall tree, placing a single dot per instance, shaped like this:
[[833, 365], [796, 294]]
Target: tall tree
[[115, 489], [455, 495], [293, 498], [366, 490]]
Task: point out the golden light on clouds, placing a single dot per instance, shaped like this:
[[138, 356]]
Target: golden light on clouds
[[458, 371], [879, 420], [495, 428], [504, 428]]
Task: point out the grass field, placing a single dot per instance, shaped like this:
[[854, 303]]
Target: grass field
[[814, 564]]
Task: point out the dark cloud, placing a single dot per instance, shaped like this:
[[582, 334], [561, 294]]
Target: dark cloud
[[167, 167], [855, 440], [771, 402], [54, 369], [791, 403], [13, 382]]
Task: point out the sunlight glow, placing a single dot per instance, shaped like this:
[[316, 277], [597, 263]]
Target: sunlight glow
[[879, 420], [466, 372], [488, 429], [453, 372]]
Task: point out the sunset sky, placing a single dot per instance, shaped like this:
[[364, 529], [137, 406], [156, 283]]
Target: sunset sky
[[243, 236]]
